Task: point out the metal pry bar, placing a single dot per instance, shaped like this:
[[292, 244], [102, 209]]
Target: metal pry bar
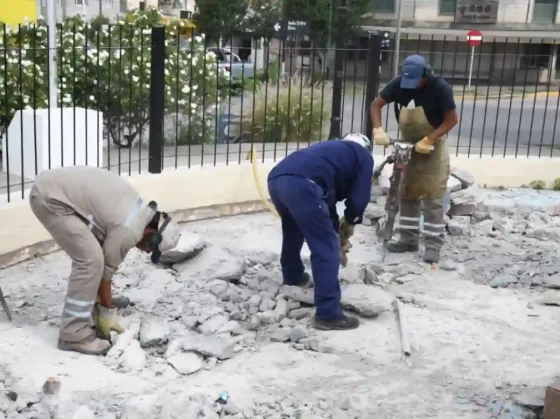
[[403, 329], [5, 305]]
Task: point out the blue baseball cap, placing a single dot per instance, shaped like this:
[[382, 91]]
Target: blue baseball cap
[[412, 70]]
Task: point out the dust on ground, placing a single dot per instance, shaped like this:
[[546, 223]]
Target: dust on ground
[[484, 343]]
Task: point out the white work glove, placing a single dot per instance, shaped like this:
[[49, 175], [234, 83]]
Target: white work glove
[[380, 137]]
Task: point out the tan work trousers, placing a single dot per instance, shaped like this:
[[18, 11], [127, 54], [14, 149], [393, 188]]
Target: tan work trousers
[[74, 237], [409, 222]]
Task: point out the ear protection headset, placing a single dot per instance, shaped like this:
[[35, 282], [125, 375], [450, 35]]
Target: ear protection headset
[[156, 237]]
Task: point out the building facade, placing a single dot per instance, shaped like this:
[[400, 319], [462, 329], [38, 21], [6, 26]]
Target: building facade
[[517, 35], [88, 8]]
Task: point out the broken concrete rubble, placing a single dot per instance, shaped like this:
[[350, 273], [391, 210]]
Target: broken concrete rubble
[[153, 331], [254, 338], [186, 363], [464, 177], [204, 345], [212, 263], [465, 201]]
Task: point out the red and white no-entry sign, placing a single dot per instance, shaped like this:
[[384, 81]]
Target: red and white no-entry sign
[[474, 38]]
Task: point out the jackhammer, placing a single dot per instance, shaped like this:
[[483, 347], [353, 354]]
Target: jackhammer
[[399, 158]]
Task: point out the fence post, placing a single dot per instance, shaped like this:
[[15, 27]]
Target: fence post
[[373, 76], [157, 92], [335, 131]]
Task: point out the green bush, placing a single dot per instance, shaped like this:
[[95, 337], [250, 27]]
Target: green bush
[[292, 110], [537, 184], [556, 184]]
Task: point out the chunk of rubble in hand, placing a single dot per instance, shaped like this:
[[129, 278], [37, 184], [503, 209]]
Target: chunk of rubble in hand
[[154, 331], [188, 247], [366, 300], [213, 263]]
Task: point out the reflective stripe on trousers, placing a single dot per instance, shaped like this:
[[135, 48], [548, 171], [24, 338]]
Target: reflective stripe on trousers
[[433, 226]]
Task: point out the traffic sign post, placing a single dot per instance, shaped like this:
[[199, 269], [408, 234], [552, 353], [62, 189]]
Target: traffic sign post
[[294, 28], [474, 39]]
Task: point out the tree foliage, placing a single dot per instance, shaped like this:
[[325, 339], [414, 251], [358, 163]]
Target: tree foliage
[[262, 15], [325, 19], [220, 19]]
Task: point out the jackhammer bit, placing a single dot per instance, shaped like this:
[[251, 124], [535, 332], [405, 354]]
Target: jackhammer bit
[[5, 305]]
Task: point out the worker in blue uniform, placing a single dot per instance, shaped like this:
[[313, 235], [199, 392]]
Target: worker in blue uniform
[[304, 188]]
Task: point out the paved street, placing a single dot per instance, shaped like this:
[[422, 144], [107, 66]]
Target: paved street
[[506, 126], [528, 125]]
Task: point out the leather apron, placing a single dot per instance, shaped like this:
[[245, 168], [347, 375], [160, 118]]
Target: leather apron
[[426, 174]]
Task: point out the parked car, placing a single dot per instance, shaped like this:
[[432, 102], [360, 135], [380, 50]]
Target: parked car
[[232, 63]]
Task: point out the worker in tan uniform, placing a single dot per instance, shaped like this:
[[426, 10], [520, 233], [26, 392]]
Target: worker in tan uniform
[[96, 217], [426, 112]]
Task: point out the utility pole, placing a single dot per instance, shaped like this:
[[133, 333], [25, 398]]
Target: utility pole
[[336, 110], [100, 8], [396, 60], [53, 79]]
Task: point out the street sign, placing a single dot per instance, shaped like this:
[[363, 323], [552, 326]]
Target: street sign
[[474, 38], [295, 28]]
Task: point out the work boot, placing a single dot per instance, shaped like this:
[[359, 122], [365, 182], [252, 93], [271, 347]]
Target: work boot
[[88, 346], [431, 255], [306, 282], [400, 247], [344, 323]]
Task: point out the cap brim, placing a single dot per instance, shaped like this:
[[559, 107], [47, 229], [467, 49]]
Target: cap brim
[[410, 83]]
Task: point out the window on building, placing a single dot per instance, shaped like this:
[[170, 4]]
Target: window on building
[[447, 7], [81, 2], [536, 56], [544, 11], [384, 6]]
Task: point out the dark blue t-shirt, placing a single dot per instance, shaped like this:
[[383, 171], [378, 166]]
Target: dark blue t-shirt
[[342, 168], [436, 98]]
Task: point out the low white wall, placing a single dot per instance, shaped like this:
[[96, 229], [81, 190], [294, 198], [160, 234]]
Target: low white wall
[[203, 192]]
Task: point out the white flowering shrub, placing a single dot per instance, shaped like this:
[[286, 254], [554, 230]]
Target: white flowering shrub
[[108, 68]]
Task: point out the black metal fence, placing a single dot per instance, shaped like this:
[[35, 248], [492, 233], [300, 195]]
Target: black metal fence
[[134, 98]]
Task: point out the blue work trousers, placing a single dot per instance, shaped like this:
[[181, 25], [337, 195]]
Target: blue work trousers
[[303, 208]]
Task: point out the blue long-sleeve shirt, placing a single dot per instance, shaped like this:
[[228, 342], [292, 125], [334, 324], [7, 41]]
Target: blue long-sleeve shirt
[[342, 168]]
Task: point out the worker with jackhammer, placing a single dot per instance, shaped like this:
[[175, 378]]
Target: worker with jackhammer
[[305, 187], [96, 217], [425, 111]]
